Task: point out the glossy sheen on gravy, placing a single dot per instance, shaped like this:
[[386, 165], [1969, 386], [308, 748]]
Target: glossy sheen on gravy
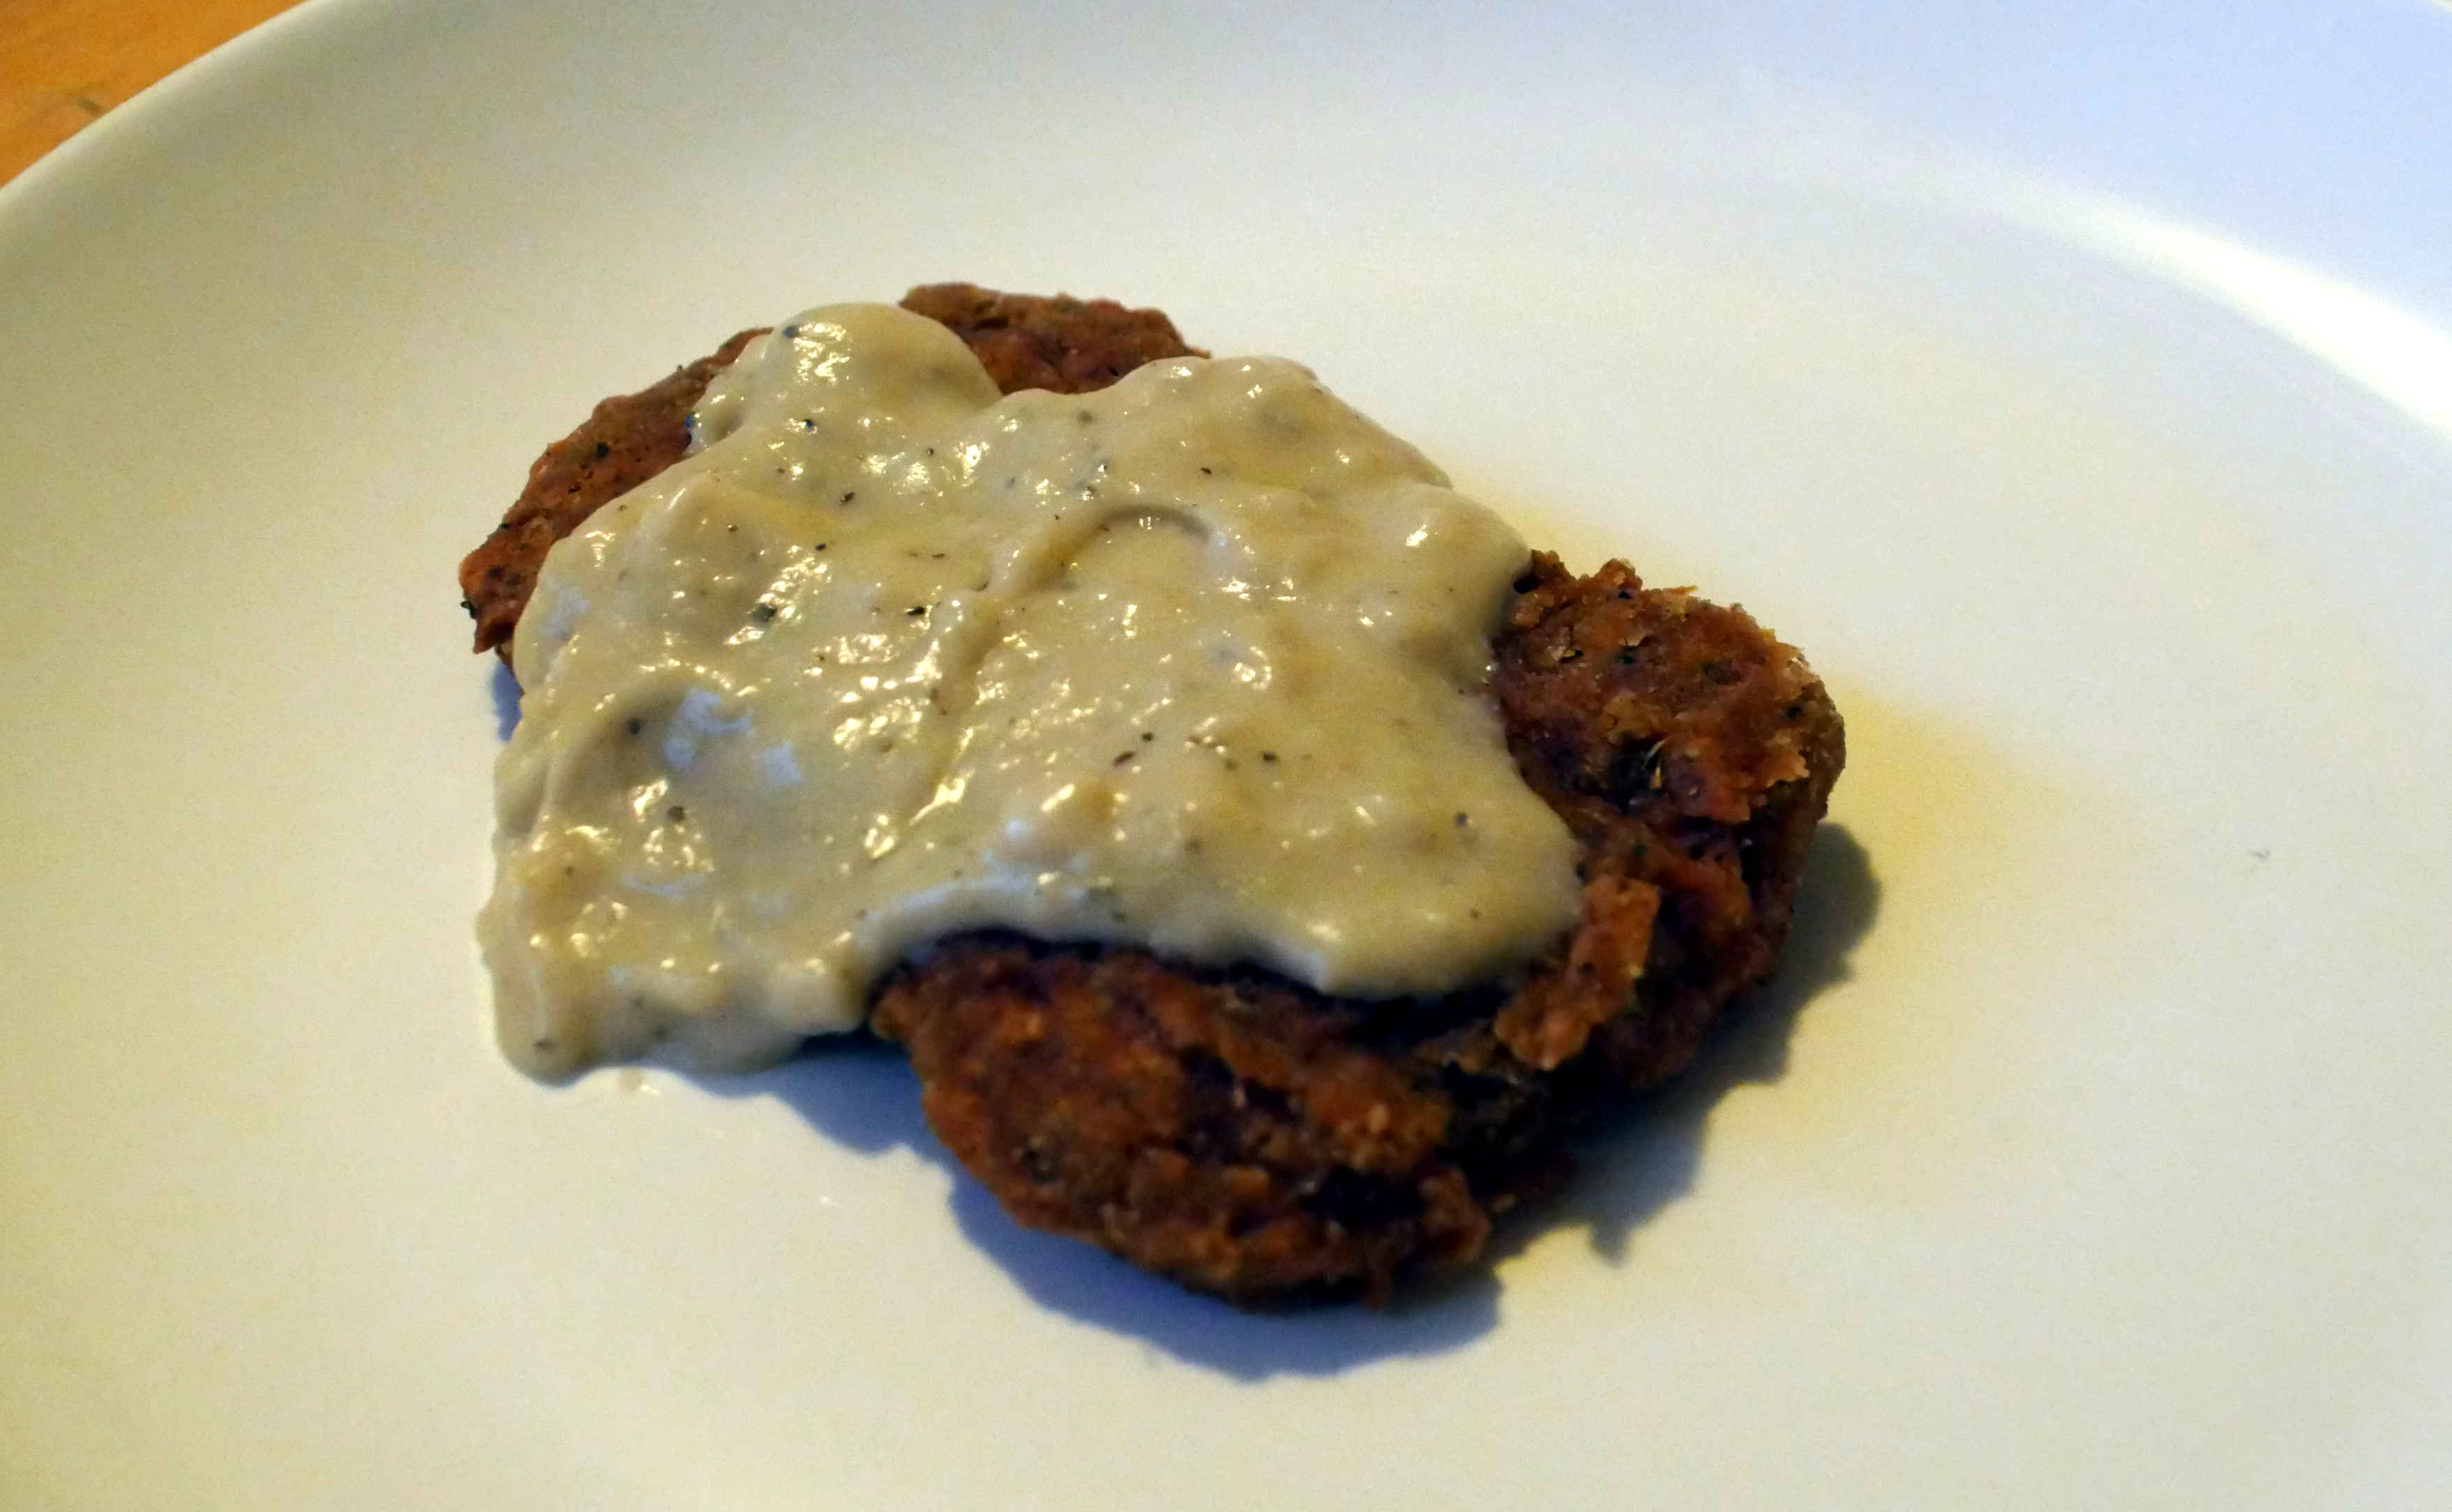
[[1193, 662]]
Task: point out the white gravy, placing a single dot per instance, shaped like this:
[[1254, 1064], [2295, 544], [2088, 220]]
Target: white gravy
[[1194, 662]]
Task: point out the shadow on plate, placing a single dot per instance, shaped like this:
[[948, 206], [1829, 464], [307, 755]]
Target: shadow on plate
[[862, 1095], [506, 691]]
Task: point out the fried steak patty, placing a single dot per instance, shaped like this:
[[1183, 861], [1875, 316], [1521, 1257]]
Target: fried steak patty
[[1235, 1131]]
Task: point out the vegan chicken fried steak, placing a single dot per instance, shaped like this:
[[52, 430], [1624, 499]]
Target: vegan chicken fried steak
[[1241, 1133]]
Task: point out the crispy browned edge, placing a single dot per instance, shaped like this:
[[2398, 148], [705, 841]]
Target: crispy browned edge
[[1234, 1131]]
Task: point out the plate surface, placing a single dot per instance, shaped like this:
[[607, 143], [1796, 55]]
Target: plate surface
[[2076, 393]]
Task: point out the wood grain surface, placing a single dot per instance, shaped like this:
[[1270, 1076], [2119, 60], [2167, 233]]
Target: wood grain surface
[[65, 63]]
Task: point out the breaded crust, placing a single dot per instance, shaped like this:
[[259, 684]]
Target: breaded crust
[[1238, 1131], [1059, 343]]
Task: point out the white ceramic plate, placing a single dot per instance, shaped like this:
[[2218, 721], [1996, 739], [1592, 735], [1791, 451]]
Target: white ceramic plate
[[2077, 392]]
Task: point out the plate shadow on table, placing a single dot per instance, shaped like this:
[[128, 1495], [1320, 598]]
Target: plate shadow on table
[[862, 1095]]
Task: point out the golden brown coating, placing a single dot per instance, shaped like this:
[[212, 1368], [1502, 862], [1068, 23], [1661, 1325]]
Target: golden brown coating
[[1242, 1133]]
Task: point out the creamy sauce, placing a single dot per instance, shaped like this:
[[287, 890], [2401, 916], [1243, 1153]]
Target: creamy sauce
[[1194, 662]]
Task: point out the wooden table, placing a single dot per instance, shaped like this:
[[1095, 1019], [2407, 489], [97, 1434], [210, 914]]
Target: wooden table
[[64, 63]]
